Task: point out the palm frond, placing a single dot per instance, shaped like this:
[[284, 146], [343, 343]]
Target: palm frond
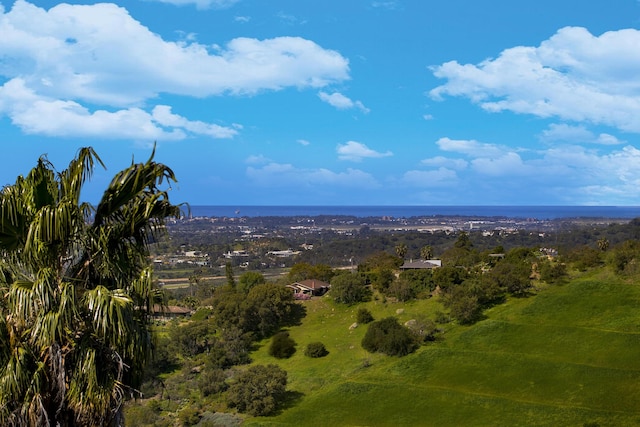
[[76, 294]]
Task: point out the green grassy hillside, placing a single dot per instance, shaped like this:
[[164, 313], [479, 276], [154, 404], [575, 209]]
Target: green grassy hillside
[[565, 357]]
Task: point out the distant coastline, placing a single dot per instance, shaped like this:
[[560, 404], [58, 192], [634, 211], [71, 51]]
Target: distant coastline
[[537, 212]]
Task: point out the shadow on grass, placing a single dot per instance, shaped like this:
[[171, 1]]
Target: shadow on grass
[[291, 398], [298, 312]]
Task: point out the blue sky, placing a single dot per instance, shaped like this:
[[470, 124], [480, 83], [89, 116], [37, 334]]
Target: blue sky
[[358, 102]]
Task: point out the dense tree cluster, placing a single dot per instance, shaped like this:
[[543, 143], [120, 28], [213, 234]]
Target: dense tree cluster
[[349, 288]]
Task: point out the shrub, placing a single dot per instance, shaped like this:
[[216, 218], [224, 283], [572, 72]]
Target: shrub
[[364, 316], [258, 390], [552, 272], [315, 349], [402, 290], [189, 416], [282, 346], [212, 381], [442, 318], [389, 337]]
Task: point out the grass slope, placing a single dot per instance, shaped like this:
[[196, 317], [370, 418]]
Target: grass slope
[[567, 356]]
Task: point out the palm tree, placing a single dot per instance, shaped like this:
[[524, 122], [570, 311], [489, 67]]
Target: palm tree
[[426, 252], [603, 244], [401, 250], [76, 291]]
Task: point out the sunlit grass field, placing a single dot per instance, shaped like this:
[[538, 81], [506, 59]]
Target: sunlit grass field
[[567, 356]]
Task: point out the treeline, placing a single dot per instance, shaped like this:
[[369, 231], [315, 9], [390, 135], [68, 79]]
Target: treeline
[[343, 249]]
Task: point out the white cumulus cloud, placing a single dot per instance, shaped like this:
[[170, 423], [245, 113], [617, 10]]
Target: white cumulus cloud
[[99, 63], [342, 102], [356, 151], [574, 76]]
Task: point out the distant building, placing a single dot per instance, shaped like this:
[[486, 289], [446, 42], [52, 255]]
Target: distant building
[[169, 311], [421, 264], [308, 288], [234, 254], [283, 254]]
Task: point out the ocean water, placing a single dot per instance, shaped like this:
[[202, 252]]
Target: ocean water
[[537, 212]]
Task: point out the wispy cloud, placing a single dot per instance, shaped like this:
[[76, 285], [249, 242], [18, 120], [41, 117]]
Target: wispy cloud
[[389, 4], [257, 160], [303, 142], [281, 175], [576, 134], [341, 102], [574, 76], [469, 147], [356, 151], [565, 174], [202, 4], [290, 19]]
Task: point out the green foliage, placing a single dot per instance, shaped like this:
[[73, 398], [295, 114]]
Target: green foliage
[[141, 415], [389, 337], [364, 316], [421, 281], [303, 271], [402, 289], [228, 271], [463, 304], [624, 258], [258, 390], [315, 350], [77, 290], [230, 349], [401, 250], [552, 272], [189, 416], [423, 328], [584, 258], [463, 241], [262, 311], [270, 306], [448, 276], [202, 313], [212, 381], [519, 254], [380, 260], [230, 310], [250, 279], [426, 252], [512, 274], [349, 288], [282, 346], [380, 278], [191, 338]]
